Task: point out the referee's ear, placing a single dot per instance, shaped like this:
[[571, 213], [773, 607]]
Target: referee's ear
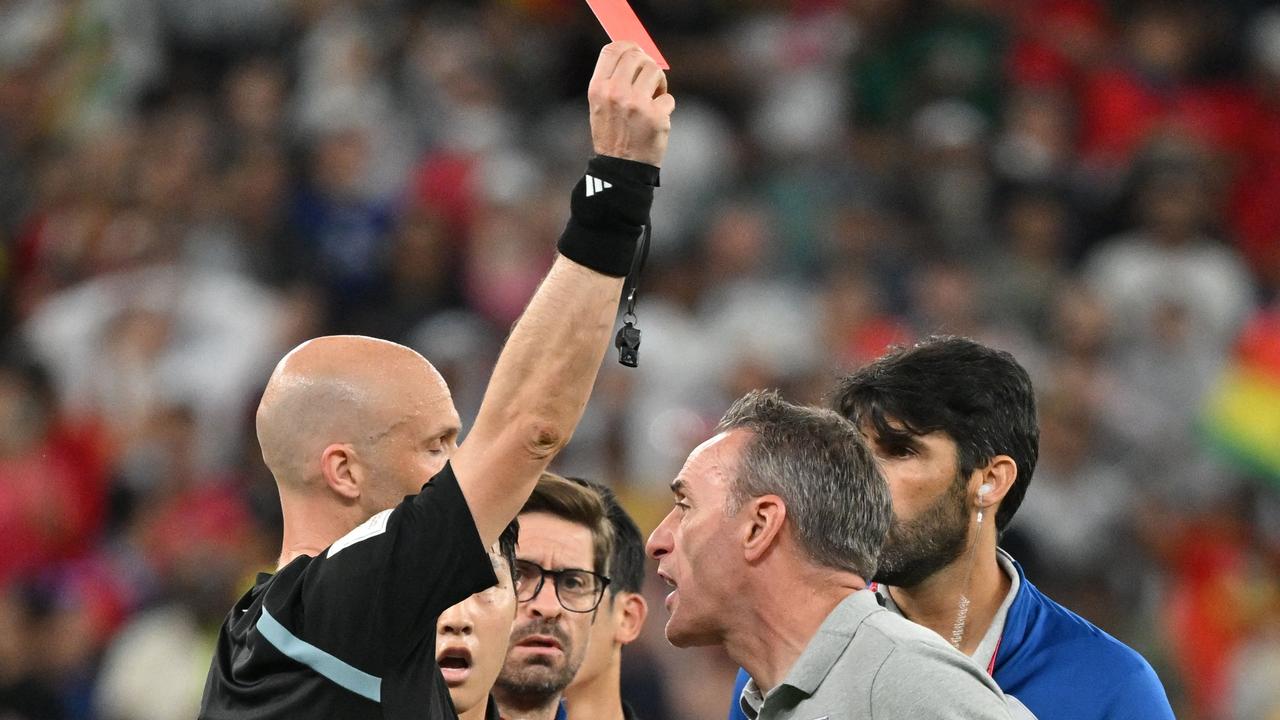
[[341, 470]]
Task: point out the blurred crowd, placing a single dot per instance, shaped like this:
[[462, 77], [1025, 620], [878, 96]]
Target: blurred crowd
[[188, 189]]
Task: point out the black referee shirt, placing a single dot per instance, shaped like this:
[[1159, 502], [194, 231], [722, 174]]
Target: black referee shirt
[[351, 634]]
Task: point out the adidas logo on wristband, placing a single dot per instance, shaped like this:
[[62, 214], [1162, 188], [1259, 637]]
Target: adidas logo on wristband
[[596, 185]]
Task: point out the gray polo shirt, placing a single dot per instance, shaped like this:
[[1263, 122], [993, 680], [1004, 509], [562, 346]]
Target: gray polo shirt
[[866, 662]]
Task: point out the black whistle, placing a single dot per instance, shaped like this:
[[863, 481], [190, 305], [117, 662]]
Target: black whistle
[[628, 344]]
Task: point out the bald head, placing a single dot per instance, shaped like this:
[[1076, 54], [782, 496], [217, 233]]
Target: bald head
[[351, 390]]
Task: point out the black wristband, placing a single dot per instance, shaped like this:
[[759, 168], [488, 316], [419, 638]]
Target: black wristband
[[609, 207]]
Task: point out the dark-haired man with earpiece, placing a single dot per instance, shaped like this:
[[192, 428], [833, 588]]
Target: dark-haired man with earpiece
[[953, 426]]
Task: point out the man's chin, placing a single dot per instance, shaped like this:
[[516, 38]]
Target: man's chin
[[895, 578], [911, 572], [684, 637], [901, 579], [546, 662], [468, 696], [535, 680]]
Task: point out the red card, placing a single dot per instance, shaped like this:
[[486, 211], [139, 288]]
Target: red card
[[620, 21]]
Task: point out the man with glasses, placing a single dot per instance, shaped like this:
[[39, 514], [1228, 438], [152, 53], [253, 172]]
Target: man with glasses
[[560, 578]]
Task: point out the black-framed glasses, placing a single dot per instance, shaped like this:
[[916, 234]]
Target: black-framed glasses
[[577, 590]]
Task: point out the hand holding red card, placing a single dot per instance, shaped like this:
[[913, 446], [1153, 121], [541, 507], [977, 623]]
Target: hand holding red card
[[630, 107], [621, 23]]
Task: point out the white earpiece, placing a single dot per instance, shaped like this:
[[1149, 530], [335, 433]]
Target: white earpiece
[[982, 490]]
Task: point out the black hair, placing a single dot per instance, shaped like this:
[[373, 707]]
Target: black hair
[[980, 397], [507, 542], [626, 565]]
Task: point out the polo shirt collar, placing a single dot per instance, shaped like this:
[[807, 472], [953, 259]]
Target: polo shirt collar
[[824, 649]]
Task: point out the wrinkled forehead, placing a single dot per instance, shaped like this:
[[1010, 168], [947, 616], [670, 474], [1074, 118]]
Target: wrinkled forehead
[[710, 466], [555, 543]]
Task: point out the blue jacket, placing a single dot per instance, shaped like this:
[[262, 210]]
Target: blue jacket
[[1062, 667]]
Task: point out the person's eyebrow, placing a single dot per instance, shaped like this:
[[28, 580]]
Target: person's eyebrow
[[679, 487]]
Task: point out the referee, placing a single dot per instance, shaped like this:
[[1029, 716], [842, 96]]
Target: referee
[[350, 426]]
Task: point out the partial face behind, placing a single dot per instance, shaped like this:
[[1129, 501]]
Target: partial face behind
[[548, 642], [604, 631], [697, 543], [930, 514], [471, 638]]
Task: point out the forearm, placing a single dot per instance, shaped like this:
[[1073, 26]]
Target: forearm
[[545, 373], [538, 391], [548, 367]]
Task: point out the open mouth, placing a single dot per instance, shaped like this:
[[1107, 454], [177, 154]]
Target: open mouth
[[671, 597], [455, 664]]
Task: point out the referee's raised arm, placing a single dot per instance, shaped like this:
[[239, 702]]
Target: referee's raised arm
[[544, 376], [387, 522]]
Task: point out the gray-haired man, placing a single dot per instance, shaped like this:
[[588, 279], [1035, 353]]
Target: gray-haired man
[[778, 522]]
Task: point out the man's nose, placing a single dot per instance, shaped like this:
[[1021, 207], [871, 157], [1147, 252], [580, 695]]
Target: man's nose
[[545, 603], [660, 540], [456, 621]]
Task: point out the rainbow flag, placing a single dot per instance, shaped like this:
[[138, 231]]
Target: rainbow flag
[[1242, 419]]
